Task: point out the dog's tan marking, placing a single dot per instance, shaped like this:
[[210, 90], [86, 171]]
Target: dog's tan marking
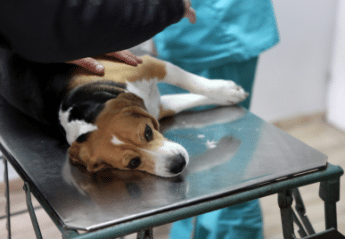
[[165, 113], [127, 103], [116, 71]]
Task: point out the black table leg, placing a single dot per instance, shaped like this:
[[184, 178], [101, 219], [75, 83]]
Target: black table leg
[[285, 201]]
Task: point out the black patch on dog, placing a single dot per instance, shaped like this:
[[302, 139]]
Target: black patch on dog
[[86, 111], [88, 100], [83, 137]]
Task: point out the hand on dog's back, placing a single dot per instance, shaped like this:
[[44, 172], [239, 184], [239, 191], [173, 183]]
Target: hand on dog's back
[[96, 67]]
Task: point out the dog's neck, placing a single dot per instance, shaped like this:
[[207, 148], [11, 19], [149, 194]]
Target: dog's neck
[[74, 128]]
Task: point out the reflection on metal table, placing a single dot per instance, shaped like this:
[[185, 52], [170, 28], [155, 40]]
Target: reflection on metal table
[[234, 157]]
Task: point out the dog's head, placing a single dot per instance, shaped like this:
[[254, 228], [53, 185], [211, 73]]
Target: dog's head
[[127, 137]]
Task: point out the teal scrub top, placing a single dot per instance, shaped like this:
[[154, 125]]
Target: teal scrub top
[[225, 31]]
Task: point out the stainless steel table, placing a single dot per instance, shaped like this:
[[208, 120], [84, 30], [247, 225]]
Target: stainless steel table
[[234, 157]]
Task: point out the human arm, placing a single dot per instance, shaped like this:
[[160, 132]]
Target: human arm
[[60, 31]]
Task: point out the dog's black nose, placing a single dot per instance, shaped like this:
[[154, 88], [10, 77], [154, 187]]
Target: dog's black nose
[[178, 164]]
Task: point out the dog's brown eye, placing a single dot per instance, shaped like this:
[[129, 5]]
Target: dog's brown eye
[[134, 163], [148, 133]]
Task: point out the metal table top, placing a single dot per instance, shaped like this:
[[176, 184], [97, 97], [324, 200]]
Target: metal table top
[[230, 150]]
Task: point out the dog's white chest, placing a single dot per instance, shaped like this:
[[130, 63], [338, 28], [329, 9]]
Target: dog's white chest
[[148, 91]]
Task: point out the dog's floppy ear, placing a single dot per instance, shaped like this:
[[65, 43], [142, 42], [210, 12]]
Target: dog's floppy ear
[[79, 154], [128, 103], [134, 110], [116, 105]]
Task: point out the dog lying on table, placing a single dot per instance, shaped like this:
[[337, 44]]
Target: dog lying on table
[[111, 121]]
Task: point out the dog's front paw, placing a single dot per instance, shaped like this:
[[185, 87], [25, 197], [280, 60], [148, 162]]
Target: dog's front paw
[[226, 92]]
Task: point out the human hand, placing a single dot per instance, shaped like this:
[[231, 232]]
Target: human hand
[[189, 11], [96, 67]]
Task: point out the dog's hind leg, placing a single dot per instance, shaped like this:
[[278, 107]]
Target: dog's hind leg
[[174, 104]]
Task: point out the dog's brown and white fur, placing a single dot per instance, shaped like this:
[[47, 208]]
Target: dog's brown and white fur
[[111, 121]]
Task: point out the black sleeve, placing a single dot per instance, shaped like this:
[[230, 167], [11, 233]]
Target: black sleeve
[[63, 30]]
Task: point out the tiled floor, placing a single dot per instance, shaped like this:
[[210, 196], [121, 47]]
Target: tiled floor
[[311, 130]]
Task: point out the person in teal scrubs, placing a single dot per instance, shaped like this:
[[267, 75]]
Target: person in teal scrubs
[[224, 43]]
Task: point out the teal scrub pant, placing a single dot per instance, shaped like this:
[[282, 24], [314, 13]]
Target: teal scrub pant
[[243, 221]]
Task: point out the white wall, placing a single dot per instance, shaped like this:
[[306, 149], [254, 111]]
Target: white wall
[[292, 77], [336, 92]]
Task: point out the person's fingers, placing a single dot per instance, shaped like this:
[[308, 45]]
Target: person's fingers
[[189, 11], [191, 15], [187, 3], [89, 64], [126, 57]]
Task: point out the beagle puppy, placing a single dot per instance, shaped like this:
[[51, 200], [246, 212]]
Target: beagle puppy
[[111, 121]]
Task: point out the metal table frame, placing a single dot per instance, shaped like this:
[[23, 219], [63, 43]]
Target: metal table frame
[[283, 185], [286, 190]]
